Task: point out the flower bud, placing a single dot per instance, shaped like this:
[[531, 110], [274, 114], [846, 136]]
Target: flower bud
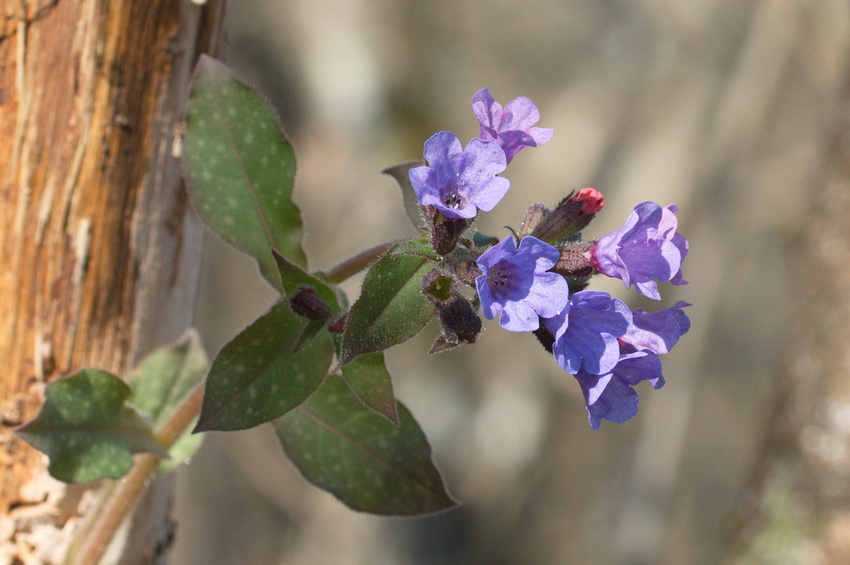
[[591, 199], [533, 216], [445, 232], [460, 324], [572, 215], [306, 303]]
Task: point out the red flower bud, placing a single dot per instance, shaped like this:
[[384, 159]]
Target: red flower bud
[[591, 199]]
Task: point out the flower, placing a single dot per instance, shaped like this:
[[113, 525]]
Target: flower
[[659, 331], [610, 396], [570, 216], [459, 182], [510, 127], [514, 282], [591, 200], [586, 332], [646, 249]]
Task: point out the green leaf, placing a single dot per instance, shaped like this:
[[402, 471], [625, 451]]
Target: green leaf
[[87, 430], [360, 457], [161, 382], [401, 173], [258, 376], [391, 307], [371, 383], [241, 168], [292, 276], [420, 247]]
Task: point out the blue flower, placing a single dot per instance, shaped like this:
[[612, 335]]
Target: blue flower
[[586, 332], [659, 331], [645, 250], [515, 283], [512, 127], [458, 182], [610, 396]]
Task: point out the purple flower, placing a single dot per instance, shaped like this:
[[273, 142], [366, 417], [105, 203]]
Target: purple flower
[[645, 250], [610, 396], [659, 331], [511, 127], [459, 181], [586, 332], [515, 283]]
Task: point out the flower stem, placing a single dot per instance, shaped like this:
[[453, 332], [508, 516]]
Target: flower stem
[[125, 493], [357, 263]]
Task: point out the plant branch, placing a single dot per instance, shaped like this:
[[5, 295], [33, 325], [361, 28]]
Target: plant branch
[[128, 489], [357, 263]]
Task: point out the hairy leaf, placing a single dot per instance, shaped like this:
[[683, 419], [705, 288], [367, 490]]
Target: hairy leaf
[[391, 307], [241, 168], [371, 383], [87, 430], [258, 375], [292, 276], [162, 381], [360, 457]]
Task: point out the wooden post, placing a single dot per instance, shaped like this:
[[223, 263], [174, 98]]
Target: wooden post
[[99, 252]]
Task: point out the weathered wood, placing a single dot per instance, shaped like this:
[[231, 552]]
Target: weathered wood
[[98, 249]]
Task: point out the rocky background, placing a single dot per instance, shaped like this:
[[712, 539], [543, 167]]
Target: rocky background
[[725, 107]]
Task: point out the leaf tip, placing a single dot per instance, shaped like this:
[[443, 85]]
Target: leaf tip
[[203, 425], [392, 416]]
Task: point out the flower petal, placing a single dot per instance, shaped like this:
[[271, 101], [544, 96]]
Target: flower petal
[[644, 251]]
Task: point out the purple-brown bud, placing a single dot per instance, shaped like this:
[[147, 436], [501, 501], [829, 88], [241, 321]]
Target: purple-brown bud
[[459, 322], [445, 232], [306, 303]]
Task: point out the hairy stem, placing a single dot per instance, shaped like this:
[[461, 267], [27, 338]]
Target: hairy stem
[[125, 492], [357, 263]]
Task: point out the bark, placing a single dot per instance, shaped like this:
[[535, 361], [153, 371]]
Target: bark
[[99, 250]]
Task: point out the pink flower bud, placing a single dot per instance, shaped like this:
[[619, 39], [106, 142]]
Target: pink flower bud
[[591, 199]]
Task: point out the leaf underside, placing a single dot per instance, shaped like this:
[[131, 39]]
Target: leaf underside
[[360, 457], [87, 430], [160, 384]]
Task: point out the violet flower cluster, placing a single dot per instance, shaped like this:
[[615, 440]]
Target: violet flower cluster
[[535, 280]]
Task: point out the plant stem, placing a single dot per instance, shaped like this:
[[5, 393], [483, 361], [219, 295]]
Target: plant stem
[[357, 263], [127, 490]]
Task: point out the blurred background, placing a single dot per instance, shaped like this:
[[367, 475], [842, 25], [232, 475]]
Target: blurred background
[[723, 107]]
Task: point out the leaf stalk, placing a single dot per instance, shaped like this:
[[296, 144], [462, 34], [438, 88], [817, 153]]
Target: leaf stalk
[[125, 492]]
